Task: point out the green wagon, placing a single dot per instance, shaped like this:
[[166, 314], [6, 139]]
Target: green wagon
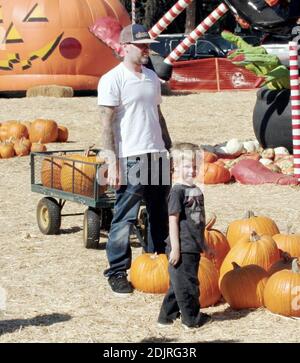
[[100, 205]]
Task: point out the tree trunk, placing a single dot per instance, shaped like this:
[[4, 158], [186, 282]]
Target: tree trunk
[[190, 22]]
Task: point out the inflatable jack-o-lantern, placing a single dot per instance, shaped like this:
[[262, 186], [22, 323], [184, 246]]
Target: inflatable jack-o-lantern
[[48, 42]]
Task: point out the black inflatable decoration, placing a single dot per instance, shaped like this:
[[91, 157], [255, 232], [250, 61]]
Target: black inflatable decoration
[[272, 112], [279, 19], [272, 118]]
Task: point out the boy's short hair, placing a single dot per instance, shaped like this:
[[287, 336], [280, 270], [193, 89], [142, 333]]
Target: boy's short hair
[[186, 151], [181, 150]]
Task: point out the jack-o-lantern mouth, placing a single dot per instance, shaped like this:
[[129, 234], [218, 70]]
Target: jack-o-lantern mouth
[[42, 53]]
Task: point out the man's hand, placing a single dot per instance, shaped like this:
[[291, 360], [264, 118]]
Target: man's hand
[[258, 61], [113, 179], [174, 256]]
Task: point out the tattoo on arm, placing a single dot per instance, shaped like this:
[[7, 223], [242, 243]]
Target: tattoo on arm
[[164, 129], [107, 116]]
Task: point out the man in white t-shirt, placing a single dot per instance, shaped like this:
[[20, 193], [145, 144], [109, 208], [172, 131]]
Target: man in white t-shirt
[[134, 130]]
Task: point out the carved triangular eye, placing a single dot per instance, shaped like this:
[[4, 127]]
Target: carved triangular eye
[[36, 14], [12, 35]]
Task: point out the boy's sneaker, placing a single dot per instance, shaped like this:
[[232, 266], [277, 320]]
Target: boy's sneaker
[[119, 284], [164, 323], [204, 319]]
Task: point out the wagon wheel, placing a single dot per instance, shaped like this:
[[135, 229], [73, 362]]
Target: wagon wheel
[[48, 214], [106, 218], [91, 228]]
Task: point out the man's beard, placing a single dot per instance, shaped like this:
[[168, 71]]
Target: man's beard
[[144, 60]]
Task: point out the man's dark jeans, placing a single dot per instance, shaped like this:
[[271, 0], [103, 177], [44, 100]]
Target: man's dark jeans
[[128, 200]]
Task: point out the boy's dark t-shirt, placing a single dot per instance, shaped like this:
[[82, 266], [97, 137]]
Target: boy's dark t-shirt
[[188, 201]]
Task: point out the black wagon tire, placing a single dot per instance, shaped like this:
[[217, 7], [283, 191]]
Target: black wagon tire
[[91, 228], [48, 214]]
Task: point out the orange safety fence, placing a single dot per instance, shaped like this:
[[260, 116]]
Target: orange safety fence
[[214, 74]]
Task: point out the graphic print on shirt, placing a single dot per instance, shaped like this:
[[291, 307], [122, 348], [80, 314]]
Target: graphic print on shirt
[[195, 204]]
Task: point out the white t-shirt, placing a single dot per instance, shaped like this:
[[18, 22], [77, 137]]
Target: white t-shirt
[[136, 127]]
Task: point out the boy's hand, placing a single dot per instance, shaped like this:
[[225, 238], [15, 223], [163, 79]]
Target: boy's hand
[[174, 256]]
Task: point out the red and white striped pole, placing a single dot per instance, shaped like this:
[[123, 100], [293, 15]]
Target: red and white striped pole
[[295, 105], [167, 19], [196, 33], [133, 12]]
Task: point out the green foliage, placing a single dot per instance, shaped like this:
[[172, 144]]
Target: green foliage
[[258, 61]]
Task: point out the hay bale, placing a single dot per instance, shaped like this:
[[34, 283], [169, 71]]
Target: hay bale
[[50, 91]]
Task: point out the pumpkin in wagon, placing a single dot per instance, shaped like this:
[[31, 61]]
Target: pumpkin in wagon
[[78, 174]]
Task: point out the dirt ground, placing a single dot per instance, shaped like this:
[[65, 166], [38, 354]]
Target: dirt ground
[[55, 289]]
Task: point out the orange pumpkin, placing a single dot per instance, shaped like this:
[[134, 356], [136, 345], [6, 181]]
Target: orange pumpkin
[[251, 280], [22, 147], [4, 130], [43, 131], [7, 150], [49, 42], [81, 169], [51, 172], [149, 273], [217, 242], [253, 249], [209, 157], [241, 227], [208, 279], [289, 243], [215, 174], [281, 295], [16, 130]]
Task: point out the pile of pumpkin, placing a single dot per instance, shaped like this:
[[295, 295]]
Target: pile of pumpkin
[[74, 173], [21, 138], [253, 266], [219, 160]]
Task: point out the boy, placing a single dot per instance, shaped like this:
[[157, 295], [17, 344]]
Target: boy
[[185, 241]]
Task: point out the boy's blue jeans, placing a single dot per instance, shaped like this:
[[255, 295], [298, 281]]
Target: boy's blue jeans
[[128, 200]]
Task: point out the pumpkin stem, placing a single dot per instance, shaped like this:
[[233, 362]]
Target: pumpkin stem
[[295, 266], [249, 214], [211, 222], [235, 266], [285, 256], [254, 237]]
